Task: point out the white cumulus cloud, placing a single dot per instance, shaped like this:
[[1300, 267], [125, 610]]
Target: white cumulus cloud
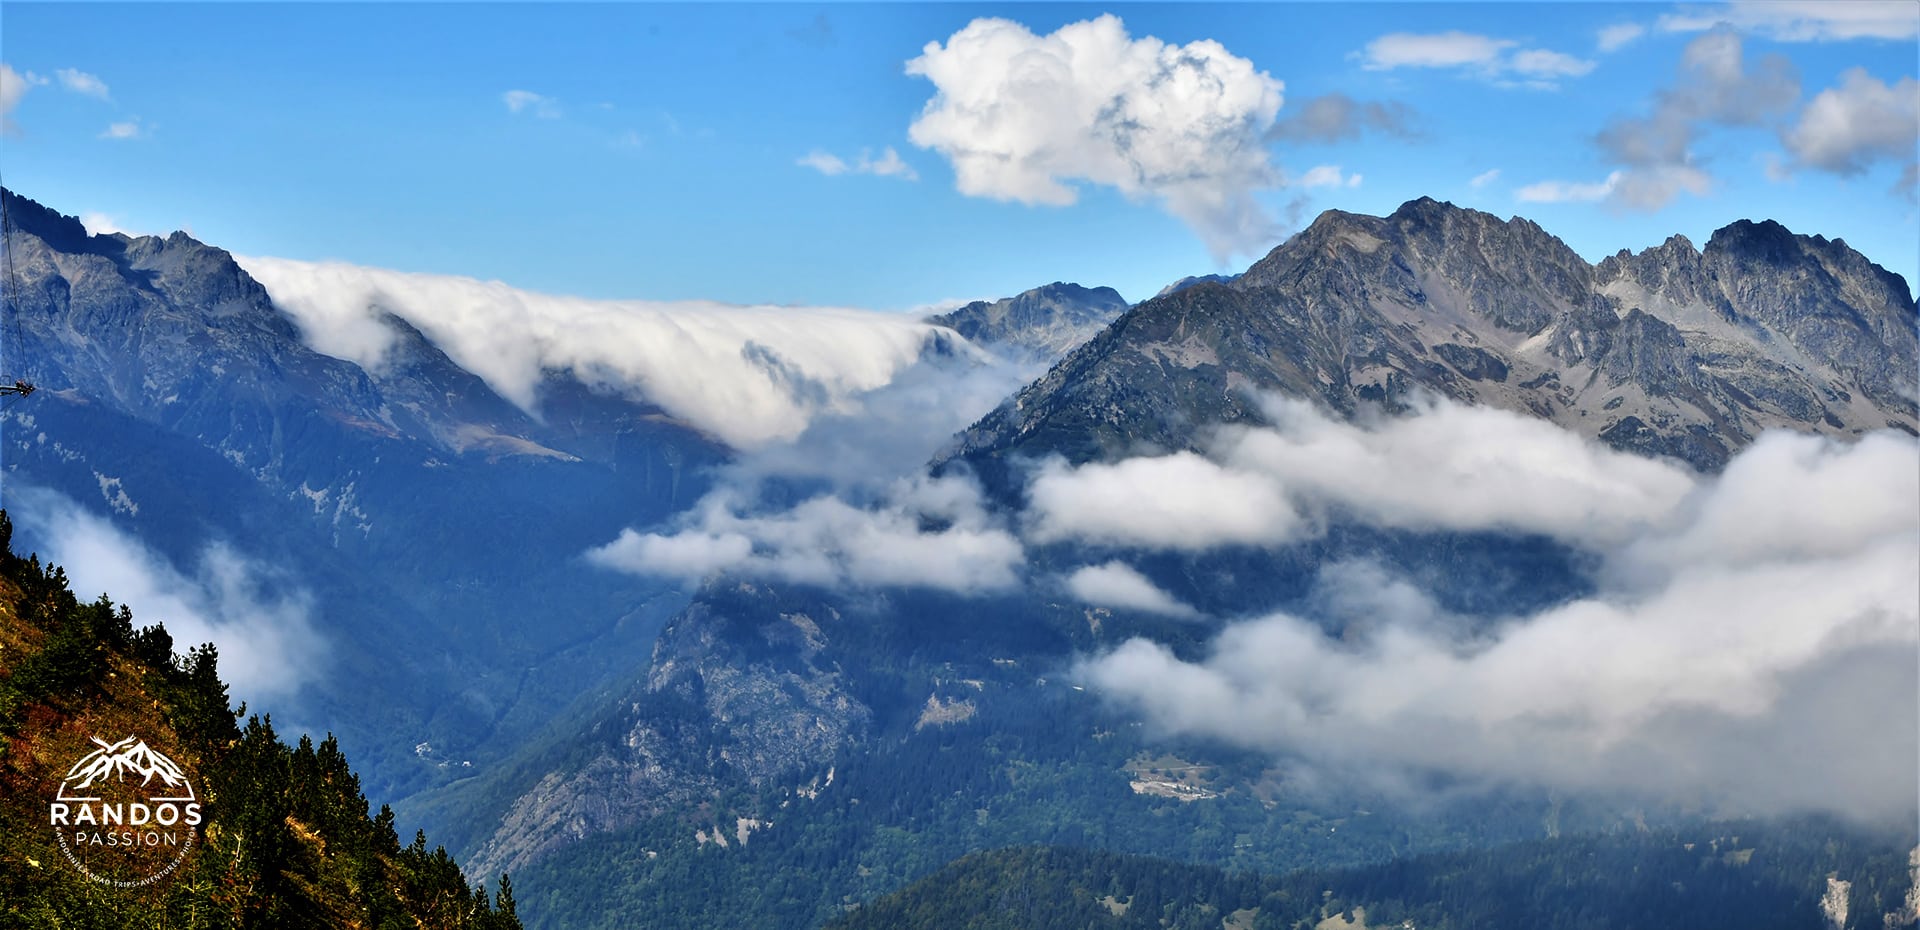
[[1847, 129], [1025, 117]]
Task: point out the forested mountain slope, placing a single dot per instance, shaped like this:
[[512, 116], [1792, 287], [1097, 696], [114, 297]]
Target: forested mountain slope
[[287, 839]]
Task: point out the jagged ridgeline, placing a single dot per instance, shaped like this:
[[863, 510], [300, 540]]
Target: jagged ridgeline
[[287, 839]]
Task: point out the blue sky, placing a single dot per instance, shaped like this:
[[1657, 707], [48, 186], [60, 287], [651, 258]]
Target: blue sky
[[676, 152]]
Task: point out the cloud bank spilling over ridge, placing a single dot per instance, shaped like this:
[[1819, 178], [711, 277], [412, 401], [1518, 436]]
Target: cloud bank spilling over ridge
[[263, 630], [1751, 648], [1025, 117], [749, 375]]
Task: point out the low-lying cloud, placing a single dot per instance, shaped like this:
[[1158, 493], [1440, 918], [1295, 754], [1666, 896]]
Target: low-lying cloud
[[1750, 647], [891, 431], [1178, 501], [261, 624], [1451, 467], [924, 532], [749, 375], [1117, 584]]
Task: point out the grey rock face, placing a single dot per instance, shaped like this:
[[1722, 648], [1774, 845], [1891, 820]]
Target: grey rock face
[[1044, 323], [742, 689], [1671, 351]]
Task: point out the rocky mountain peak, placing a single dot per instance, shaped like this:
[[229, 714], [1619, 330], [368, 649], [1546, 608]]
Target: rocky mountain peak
[[1765, 240], [1425, 209], [1673, 351], [1043, 322], [1196, 281]]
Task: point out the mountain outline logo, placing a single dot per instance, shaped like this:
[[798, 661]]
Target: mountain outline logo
[[125, 814], [130, 754]]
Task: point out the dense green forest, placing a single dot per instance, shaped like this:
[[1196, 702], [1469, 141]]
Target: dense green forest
[[288, 840], [1766, 876]]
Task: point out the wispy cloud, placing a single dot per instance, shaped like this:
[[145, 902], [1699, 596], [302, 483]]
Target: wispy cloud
[[1618, 36], [1568, 191], [888, 165], [1433, 50], [83, 83], [260, 622], [13, 88], [1655, 153], [1501, 61], [1484, 178], [1327, 176], [99, 224], [1338, 118], [529, 103], [1803, 20], [124, 130]]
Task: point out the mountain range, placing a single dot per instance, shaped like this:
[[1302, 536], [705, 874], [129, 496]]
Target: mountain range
[[773, 749]]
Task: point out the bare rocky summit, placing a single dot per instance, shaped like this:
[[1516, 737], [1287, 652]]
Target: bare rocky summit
[[1046, 322], [1674, 351]]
